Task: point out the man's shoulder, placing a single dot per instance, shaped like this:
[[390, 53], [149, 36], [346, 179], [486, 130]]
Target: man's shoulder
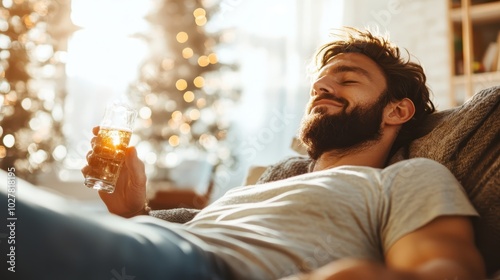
[[419, 173], [420, 164]]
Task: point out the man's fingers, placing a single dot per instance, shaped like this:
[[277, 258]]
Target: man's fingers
[[85, 170], [93, 141], [89, 154], [95, 130], [135, 167]]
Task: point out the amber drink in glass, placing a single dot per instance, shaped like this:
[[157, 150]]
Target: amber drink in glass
[[108, 152]]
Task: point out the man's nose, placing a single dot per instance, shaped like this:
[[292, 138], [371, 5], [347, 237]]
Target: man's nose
[[321, 86]]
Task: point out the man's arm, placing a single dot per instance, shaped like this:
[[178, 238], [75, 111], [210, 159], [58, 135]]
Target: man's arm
[[442, 249]]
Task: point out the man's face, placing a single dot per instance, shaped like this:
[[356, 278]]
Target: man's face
[[346, 106]]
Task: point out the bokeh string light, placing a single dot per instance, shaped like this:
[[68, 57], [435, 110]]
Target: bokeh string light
[[181, 104], [185, 118], [32, 54]]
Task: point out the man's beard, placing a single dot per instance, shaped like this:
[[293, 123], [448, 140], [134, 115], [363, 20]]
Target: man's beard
[[342, 132]]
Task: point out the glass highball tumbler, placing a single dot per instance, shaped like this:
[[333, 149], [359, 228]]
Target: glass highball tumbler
[[108, 151]]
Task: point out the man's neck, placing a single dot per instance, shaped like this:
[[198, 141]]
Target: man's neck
[[373, 154]]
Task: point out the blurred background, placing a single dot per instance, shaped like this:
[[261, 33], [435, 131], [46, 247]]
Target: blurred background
[[219, 85]]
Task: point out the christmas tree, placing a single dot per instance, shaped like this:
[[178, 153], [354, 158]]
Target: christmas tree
[[182, 101], [31, 92]]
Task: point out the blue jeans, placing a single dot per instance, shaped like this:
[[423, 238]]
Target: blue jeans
[[53, 240]]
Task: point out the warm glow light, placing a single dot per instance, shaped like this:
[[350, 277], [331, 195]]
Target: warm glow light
[[199, 82], [35, 123], [7, 3], [145, 113], [182, 37], [26, 104], [199, 12], [44, 52], [188, 96], [104, 57], [4, 86], [185, 128], [212, 58], [187, 52], [201, 20], [3, 152], [174, 140], [103, 52], [27, 21], [5, 43], [177, 116], [60, 152], [203, 61], [115, 138], [9, 140], [181, 84]]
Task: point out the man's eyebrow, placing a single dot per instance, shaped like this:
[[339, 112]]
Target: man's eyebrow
[[350, 68]]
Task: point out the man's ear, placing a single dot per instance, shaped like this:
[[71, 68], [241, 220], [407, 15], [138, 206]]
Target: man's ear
[[399, 112]]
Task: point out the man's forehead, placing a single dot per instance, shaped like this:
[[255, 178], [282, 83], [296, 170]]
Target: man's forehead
[[352, 62], [354, 59]]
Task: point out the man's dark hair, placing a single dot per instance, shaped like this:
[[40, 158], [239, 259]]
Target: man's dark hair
[[405, 79]]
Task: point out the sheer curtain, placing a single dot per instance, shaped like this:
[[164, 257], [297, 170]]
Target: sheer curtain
[[274, 43]]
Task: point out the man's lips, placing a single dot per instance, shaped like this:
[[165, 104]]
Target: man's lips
[[328, 102]]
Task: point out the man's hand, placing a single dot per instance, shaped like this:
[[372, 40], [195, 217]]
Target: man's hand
[[129, 197]]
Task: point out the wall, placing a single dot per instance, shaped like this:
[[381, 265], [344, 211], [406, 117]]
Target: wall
[[420, 26]]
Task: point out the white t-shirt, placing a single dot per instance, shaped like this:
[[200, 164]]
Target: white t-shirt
[[301, 223]]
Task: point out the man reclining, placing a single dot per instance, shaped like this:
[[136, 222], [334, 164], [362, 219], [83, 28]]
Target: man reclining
[[351, 217]]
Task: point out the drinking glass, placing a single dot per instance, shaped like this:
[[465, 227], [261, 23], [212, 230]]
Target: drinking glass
[[108, 151]]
